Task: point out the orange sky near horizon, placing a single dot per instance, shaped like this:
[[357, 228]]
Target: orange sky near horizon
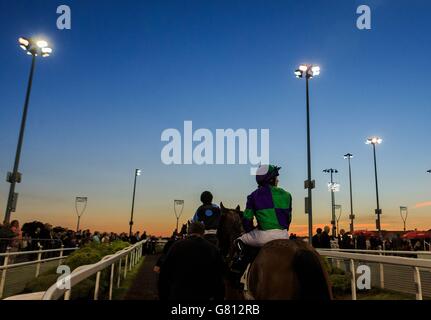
[[162, 224]]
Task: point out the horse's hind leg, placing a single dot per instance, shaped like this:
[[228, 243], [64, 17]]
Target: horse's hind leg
[[271, 277]]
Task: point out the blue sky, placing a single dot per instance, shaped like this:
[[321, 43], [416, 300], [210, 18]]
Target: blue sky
[[128, 70]]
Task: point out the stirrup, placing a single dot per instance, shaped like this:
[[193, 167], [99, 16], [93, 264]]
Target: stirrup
[[239, 244]]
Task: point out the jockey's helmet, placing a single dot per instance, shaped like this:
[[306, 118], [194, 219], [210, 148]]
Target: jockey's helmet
[[266, 173], [206, 197]]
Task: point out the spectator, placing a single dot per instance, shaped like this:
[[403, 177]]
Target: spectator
[[361, 242], [135, 238], [15, 241], [96, 238], [317, 238], [5, 234], [344, 241], [105, 238], [325, 238], [152, 245], [417, 246], [112, 237]]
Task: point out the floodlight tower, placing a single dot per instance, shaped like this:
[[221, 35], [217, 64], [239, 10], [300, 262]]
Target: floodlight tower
[[308, 71]]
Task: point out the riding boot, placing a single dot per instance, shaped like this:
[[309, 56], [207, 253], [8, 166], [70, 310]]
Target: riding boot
[[239, 264]]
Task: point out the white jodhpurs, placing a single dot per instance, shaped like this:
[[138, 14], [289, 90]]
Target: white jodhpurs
[[258, 238]]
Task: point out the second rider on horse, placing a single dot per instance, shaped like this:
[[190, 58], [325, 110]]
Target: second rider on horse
[[208, 214], [272, 208]]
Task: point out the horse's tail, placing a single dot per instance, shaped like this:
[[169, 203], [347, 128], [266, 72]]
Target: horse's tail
[[312, 277]]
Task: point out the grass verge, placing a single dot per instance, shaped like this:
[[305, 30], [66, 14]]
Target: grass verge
[[120, 293]]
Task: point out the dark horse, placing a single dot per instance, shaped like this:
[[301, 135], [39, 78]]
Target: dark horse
[[282, 270]]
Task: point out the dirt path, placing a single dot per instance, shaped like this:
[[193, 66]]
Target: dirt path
[[144, 286]]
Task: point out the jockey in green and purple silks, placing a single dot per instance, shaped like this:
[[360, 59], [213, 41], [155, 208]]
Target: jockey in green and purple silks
[[272, 208]]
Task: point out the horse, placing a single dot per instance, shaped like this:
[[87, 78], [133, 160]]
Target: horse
[[282, 270]]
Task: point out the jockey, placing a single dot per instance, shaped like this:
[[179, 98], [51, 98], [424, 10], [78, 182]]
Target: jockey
[[272, 208], [209, 214]]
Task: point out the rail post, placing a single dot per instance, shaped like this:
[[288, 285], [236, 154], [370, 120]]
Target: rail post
[[96, 287], [67, 294], [382, 273], [418, 284], [119, 273], [61, 255], [353, 280], [39, 258], [111, 281], [136, 255], [125, 266], [3, 273], [131, 261]]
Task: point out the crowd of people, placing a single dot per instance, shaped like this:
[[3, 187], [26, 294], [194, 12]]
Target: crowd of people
[[35, 235], [345, 240]]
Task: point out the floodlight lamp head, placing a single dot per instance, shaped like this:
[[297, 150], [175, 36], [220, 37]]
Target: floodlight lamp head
[[35, 47]]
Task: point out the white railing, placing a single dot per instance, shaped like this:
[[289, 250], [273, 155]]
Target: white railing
[[414, 263], [383, 252], [7, 255], [131, 255]]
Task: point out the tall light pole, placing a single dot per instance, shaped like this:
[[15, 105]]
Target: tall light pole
[[34, 48], [338, 206], [349, 156], [309, 71], [404, 213], [373, 141], [137, 173], [332, 187]]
